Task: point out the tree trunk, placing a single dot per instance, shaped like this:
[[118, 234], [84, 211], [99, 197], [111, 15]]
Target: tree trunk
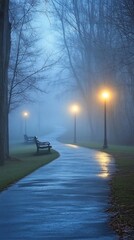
[[4, 59]]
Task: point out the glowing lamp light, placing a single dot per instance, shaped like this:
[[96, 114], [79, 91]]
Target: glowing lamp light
[[75, 108], [25, 114], [105, 95]]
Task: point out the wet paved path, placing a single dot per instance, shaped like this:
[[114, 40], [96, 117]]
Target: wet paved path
[[64, 200]]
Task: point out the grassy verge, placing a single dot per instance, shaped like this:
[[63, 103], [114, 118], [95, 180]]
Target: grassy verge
[[122, 188], [23, 161]]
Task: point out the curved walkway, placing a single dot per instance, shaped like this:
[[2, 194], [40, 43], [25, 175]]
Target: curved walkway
[[65, 199]]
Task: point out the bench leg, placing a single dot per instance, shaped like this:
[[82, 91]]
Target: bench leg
[[37, 150]]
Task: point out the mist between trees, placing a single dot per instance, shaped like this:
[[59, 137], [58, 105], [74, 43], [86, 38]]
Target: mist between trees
[[93, 48], [98, 38]]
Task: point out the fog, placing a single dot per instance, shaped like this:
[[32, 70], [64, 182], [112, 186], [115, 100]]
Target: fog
[[49, 110], [69, 59], [45, 116]]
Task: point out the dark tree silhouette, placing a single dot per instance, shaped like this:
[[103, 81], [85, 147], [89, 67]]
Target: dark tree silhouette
[[4, 60]]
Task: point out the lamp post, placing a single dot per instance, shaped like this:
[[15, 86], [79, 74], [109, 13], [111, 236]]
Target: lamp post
[[25, 115], [75, 110], [105, 96]]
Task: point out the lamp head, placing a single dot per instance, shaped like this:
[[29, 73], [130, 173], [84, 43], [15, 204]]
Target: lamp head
[[75, 108], [105, 95], [25, 114]]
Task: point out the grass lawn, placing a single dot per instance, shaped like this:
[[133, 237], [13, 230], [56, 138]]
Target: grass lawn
[[122, 187], [23, 161]]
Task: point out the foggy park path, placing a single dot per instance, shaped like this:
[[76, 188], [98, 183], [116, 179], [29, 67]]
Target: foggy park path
[[65, 199]]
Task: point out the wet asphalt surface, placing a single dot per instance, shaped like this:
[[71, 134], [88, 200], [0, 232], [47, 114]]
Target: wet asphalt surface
[[65, 199]]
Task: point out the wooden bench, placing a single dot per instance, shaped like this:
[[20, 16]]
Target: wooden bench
[[28, 139], [42, 145]]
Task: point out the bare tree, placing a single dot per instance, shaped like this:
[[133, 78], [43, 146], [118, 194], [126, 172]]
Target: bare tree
[[28, 65]]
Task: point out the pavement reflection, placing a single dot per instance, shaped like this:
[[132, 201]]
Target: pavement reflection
[[104, 160]]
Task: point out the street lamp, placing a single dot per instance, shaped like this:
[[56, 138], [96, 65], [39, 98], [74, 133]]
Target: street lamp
[[25, 115], [75, 109], [105, 96]]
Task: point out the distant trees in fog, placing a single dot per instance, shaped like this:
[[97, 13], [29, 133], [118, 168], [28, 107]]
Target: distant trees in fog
[[98, 36]]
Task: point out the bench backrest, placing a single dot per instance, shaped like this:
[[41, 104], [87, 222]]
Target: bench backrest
[[38, 143], [25, 137]]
